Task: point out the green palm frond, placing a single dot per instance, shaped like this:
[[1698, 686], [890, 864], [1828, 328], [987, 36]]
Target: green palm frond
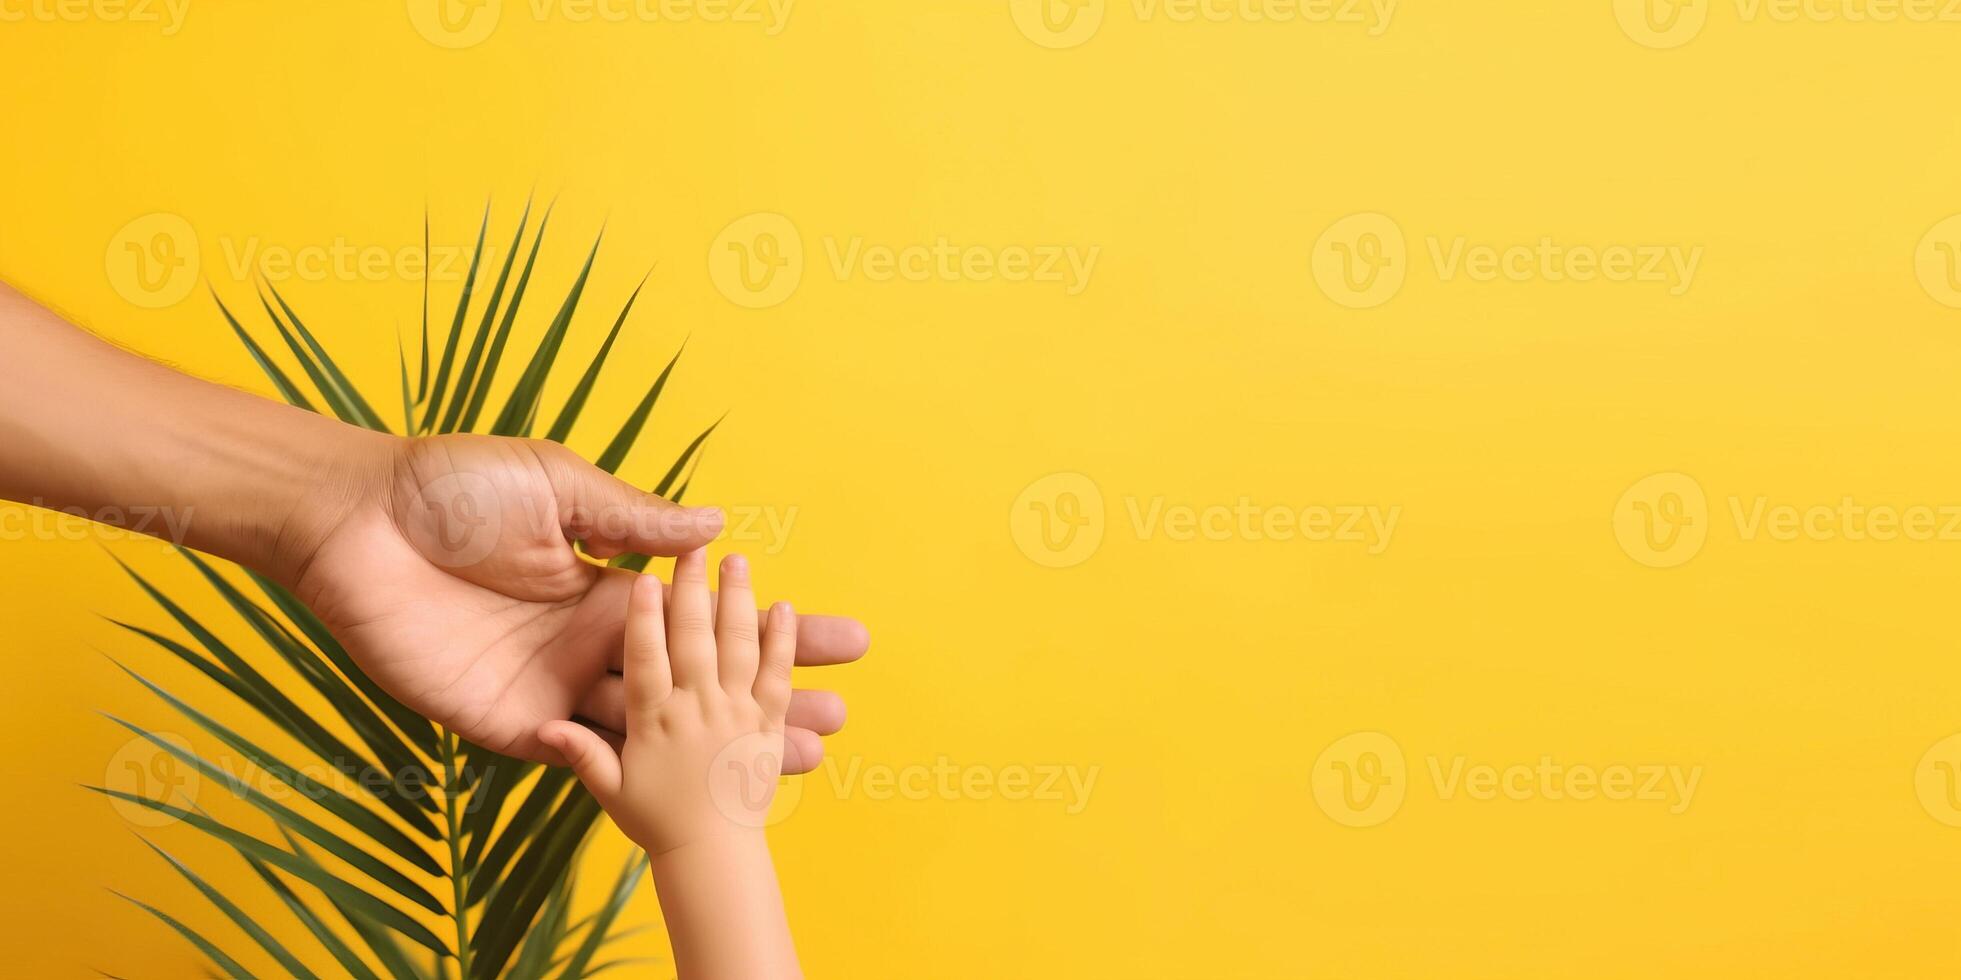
[[421, 827]]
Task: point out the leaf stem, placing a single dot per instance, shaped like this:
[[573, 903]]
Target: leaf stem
[[458, 876]]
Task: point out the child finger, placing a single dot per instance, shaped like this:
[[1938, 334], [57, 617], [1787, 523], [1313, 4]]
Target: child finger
[[735, 626], [690, 624], [648, 677], [779, 653]]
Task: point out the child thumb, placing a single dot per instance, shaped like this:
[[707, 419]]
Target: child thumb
[[591, 758]]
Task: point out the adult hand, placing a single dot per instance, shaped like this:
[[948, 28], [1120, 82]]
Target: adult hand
[[451, 576]]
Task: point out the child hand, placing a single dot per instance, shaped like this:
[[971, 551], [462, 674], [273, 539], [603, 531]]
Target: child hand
[[705, 703]]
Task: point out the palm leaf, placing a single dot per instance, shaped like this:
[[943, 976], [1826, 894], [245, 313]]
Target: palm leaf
[[333, 944], [674, 472], [513, 831], [408, 400], [523, 403], [329, 799], [623, 887], [576, 403], [245, 922], [225, 963], [522, 829], [367, 723], [344, 390], [497, 345], [629, 433], [455, 327], [508, 914], [535, 955], [242, 679], [379, 940], [468, 376], [323, 385], [287, 389], [302, 728], [291, 819], [422, 383], [309, 872], [502, 775]]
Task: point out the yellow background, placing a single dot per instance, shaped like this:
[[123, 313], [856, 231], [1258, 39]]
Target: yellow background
[[1199, 679]]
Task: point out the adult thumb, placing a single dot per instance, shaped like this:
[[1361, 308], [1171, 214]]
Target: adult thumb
[[611, 516]]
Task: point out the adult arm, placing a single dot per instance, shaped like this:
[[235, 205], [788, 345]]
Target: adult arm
[[448, 566]]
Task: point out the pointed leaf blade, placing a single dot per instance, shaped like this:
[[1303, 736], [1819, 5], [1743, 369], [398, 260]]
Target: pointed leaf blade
[[252, 929]]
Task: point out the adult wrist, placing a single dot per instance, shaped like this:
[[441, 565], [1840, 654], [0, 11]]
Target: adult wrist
[[292, 481]]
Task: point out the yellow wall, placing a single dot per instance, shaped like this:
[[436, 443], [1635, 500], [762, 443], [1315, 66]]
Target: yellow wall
[[1215, 355]]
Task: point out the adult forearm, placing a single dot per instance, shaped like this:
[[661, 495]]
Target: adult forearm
[[724, 911], [91, 429]]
